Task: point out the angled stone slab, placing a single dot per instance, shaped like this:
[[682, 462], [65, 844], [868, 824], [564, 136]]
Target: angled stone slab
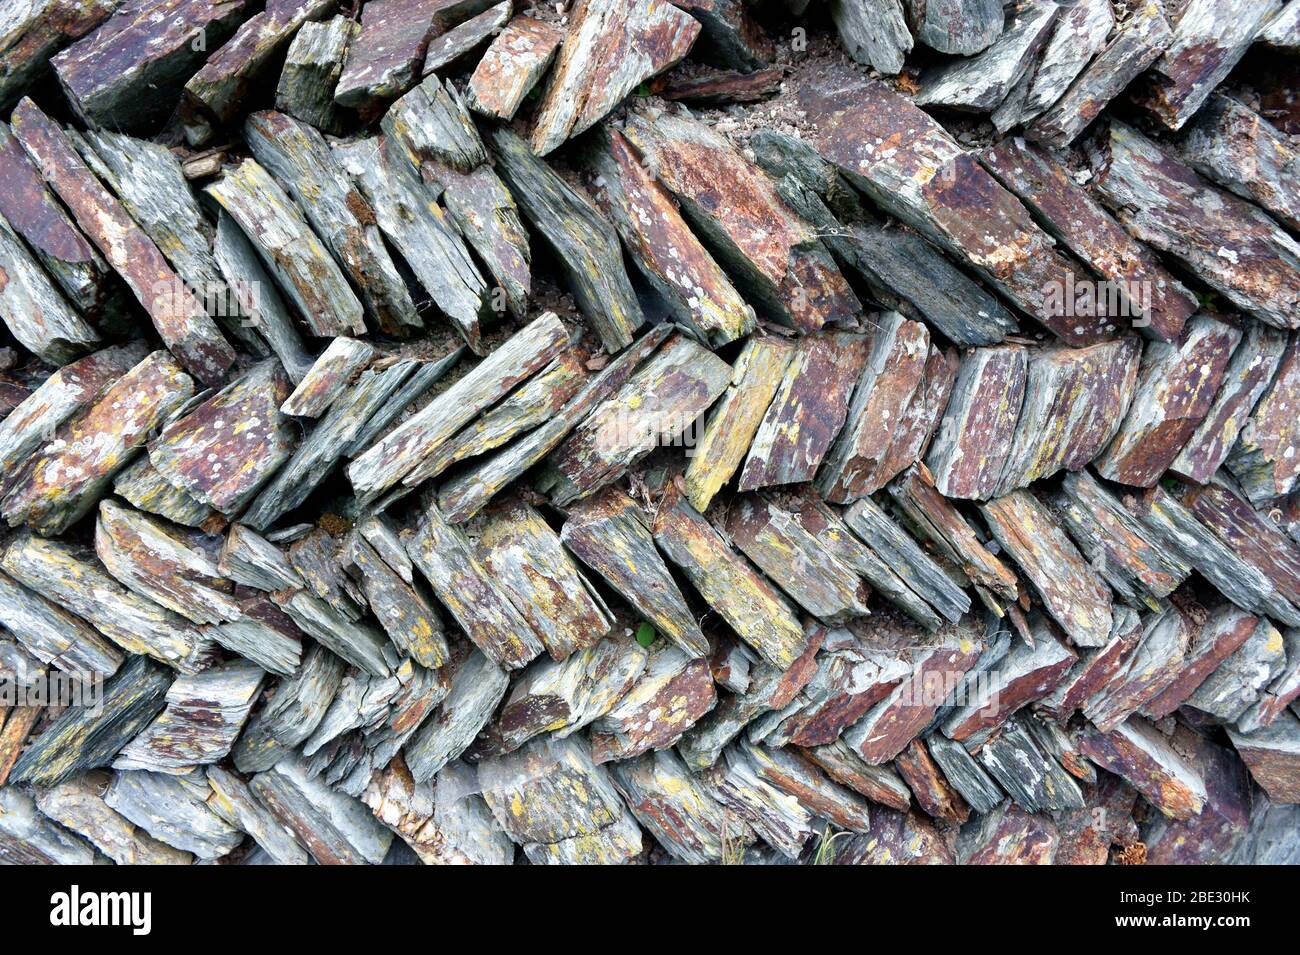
[[224, 450], [610, 533], [65, 479], [515, 62], [751, 606], [1176, 387], [909, 166], [1210, 36], [290, 250], [653, 409], [661, 243], [1136, 44], [128, 73], [1075, 402], [1266, 458], [981, 82], [1250, 371], [1231, 245], [1136, 751], [1144, 290], [527, 559], [176, 313], [807, 411], [777, 256], [977, 431], [446, 558], [610, 48]]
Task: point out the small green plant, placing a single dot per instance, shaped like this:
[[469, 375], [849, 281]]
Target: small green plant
[[824, 854], [645, 633]]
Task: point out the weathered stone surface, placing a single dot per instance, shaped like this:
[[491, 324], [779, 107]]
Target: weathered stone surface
[[1028, 771], [407, 616], [1250, 371], [561, 807], [1008, 836], [894, 370], [34, 32], [82, 738], [127, 74], [977, 431], [937, 668], [1071, 590], [64, 480], [33, 212], [1077, 35], [141, 484], [177, 315], [653, 409], [1234, 686], [672, 694], [1075, 402], [758, 373], [446, 558], [295, 709], [1251, 536], [334, 369], [926, 179], [463, 496], [777, 257], [585, 244], [807, 411], [1209, 836], [384, 58], [79, 806], [1179, 531], [1232, 246], [1212, 643], [512, 66], [673, 806], [1240, 150], [215, 94], [1125, 553], [751, 606], [610, 533], [983, 81], [527, 560], [333, 826], [71, 577], [1271, 755], [390, 459], [1136, 44], [204, 714], [610, 48], [806, 551], [1136, 751], [697, 291], [1154, 664], [917, 571], [1210, 36], [312, 68], [33, 308], [1176, 388], [1142, 290], [449, 49], [300, 158], [1026, 674], [290, 250], [933, 793], [729, 33], [224, 450], [1266, 459], [769, 690], [961, 28]]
